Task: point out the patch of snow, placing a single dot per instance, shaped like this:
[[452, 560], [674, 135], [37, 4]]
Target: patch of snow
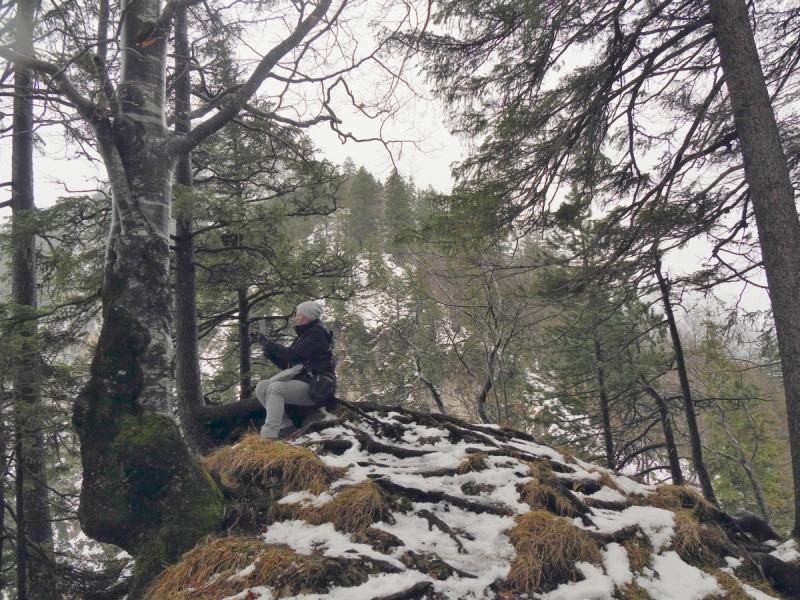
[[615, 559], [607, 494], [305, 539], [490, 545], [657, 523], [457, 588], [243, 573], [536, 450], [306, 498], [629, 486], [596, 586], [787, 551], [733, 562], [757, 594], [681, 581], [377, 586]]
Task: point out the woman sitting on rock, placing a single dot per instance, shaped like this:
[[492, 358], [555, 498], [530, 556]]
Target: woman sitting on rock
[[311, 353]]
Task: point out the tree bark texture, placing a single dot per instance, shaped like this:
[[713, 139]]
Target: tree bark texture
[[36, 578], [605, 411], [142, 489], [772, 196], [686, 391], [669, 437], [245, 351], [188, 383]]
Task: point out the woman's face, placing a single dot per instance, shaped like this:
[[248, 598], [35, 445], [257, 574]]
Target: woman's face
[[301, 319]]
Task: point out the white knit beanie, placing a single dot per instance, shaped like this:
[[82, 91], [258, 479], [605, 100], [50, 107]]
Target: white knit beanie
[[311, 310]]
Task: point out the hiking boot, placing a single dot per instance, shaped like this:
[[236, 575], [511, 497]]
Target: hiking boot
[[287, 431]]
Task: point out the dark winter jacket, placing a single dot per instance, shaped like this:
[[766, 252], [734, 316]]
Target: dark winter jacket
[[313, 348]]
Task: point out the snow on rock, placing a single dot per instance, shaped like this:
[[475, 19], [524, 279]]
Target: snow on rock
[[462, 485]]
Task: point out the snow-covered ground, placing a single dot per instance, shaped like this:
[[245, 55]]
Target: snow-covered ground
[[483, 552]]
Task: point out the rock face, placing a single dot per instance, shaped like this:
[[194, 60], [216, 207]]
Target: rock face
[[372, 502]]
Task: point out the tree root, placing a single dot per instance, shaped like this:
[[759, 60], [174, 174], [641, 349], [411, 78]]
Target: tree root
[[435, 496], [432, 520], [415, 591], [785, 577], [316, 426], [619, 536], [335, 446], [523, 456], [374, 447], [617, 505]]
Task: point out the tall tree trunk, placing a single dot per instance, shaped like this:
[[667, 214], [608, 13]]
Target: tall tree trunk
[[245, 359], [36, 578], [771, 193], [22, 538], [686, 391], [484, 394], [757, 491], [142, 489], [669, 438], [605, 411], [188, 382]]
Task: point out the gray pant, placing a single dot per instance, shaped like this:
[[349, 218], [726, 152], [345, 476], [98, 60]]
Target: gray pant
[[273, 396]]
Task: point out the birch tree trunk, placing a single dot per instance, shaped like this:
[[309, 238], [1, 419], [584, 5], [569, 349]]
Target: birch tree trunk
[[767, 174]]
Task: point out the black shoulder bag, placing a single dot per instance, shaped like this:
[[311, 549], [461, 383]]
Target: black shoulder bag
[[323, 385]]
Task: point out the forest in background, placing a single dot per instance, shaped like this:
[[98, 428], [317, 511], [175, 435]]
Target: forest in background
[[486, 334], [536, 295]]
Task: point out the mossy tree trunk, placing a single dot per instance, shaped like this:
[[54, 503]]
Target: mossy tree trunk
[[142, 489]]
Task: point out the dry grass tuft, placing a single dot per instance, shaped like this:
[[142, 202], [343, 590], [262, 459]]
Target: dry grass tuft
[[540, 496], [607, 480], [677, 497], [730, 585], [474, 463], [540, 469], [292, 511], [207, 569], [640, 553], [282, 467], [631, 591], [353, 508], [217, 568], [696, 543], [547, 550]]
